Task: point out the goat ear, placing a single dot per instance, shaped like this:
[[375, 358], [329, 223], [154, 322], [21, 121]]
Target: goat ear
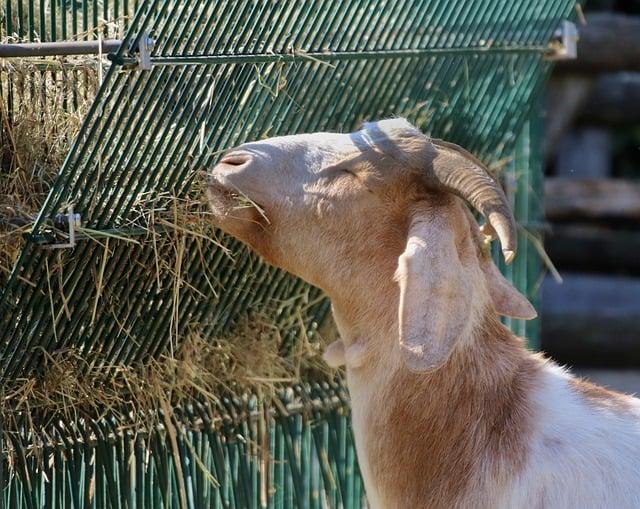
[[507, 301], [435, 295]]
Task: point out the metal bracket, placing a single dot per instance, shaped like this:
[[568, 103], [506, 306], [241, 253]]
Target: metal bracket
[[145, 46], [564, 44], [71, 221], [142, 57]]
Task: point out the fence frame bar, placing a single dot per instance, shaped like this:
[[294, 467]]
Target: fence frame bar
[[59, 48]]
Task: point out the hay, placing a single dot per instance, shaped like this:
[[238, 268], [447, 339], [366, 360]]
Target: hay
[[69, 388], [41, 112]]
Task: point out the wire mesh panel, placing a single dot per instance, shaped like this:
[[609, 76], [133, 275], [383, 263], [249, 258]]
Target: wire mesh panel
[[302, 67], [239, 461], [224, 73]]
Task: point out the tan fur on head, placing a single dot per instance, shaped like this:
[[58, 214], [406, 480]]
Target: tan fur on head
[[330, 203]]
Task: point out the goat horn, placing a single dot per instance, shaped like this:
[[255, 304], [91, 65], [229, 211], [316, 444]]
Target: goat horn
[[457, 171]]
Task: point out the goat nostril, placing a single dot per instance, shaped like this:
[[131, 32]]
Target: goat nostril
[[235, 159]]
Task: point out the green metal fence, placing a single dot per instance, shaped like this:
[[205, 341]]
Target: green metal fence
[[54, 20], [223, 73], [524, 179]]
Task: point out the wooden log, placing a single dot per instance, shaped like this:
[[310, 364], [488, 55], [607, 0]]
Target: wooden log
[[614, 101], [566, 93], [592, 320], [609, 100], [584, 153], [593, 199], [593, 248], [608, 42]]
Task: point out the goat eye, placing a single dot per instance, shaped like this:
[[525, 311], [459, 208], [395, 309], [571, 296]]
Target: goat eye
[[347, 170]]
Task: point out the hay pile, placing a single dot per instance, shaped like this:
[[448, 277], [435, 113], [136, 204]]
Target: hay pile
[[42, 104], [41, 112], [70, 388]]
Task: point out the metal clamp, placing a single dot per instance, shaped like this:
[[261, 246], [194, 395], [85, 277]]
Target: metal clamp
[[142, 59], [145, 47], [70, 221], [564, 44]]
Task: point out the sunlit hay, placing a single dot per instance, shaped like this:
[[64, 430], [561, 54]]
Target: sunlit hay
[[40, 114], [70, 388]]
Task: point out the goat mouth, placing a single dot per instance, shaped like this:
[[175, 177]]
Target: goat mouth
[[220, 196], [231, 203]]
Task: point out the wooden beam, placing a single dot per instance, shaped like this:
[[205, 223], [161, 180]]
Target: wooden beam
[[592, 320], [592, 248], [565, 97], [585, 153], [614, 101], [592, 199]]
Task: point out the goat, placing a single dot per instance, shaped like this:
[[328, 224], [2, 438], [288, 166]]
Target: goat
[[449, 408]]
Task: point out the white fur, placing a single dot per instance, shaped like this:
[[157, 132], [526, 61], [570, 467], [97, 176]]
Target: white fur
[[581, 455]]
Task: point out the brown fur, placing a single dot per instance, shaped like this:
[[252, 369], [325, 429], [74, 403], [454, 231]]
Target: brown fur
[[601, 397], [446, 430], [449, 432]]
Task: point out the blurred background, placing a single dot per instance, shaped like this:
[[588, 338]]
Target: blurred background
[[591, 320]]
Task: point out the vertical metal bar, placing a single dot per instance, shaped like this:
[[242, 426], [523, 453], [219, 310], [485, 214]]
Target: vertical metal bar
[[85, 19], [63, 20], [20, 13], [9, 17], [95, 25], [53, 21], [106, 17], [42, 21], [74, 18], [30, 26]]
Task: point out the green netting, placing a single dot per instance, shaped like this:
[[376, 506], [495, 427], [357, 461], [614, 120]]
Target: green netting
[[226, 72]]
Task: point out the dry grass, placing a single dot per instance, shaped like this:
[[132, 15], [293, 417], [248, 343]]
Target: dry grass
[[70, 388], [40, 114]]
